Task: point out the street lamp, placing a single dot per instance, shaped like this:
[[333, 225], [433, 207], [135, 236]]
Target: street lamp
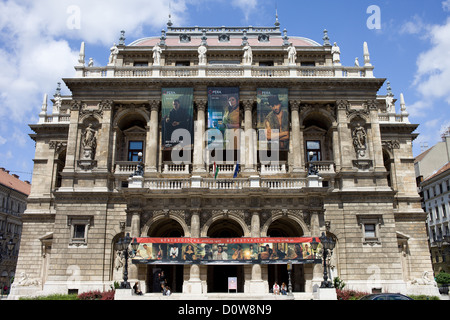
[[328, 245], [123, 245], [440, 242], [289, 269], [311, 170], [9, 247]]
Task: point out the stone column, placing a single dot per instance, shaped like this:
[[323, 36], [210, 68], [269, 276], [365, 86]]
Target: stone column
[[72, 147], [103, 149], [345, 144], [336, 155], [256, 284], [297, 137], [135, 231], [195, 224], [72, 139], [151, 152], [249, 137], [378, 162], [199, 143]]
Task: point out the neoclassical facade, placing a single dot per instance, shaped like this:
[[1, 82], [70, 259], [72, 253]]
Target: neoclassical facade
[[105, 165]]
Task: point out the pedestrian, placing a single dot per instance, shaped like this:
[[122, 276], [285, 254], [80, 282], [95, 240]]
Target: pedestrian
[[276, 288], [136, 289]]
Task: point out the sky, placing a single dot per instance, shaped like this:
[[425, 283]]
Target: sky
[[409, 44]]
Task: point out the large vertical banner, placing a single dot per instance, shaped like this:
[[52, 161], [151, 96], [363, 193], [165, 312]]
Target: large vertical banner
[[177, 113], [273, 119], [223, 118]]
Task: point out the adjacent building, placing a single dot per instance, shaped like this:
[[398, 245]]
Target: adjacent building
[[239, 138], [13, 202], [433, 178]]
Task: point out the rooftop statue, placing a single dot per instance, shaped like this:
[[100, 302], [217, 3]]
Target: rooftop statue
[[157, 55], [336, 52], [292, 53], [113, 55], [248, 55], [202, 55]]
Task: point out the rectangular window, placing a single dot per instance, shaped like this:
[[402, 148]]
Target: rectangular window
[[444, 211], [370, 228], [79, 227], [313, 150], [266, 64], [141, 63], [134, 147], [79, 231], [369, 231]]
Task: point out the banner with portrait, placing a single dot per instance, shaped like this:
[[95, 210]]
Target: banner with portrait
[[223, 118], [226, 251], [273, 119], [177, 113]]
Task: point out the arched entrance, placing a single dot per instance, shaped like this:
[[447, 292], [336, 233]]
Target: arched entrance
[[285, 227], [217, 276], [165, 228]]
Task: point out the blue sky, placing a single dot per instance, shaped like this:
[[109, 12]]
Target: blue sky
[[40, 41]]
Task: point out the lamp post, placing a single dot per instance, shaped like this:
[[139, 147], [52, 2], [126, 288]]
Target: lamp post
[[9, 247], [123, 245], [327, 249], [289, 269], [443, 241]]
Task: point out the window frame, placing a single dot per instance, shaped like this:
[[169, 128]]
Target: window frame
[[131, 153], [74, 222], [368, 220]]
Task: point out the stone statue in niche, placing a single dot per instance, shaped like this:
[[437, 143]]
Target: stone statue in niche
[[359, 136], [89, 142]]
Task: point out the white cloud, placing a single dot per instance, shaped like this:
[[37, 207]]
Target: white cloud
[[433, 66], [247, 6], [37, 42], [415, 26], [446, 5]]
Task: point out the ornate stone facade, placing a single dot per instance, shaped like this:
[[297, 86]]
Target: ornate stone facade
[[365, 197]]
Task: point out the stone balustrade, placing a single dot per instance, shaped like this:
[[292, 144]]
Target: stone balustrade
[[225, 71]]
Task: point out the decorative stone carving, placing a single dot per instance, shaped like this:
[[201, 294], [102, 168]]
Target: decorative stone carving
[[89, 142], [156, 55], [202, 55], [248, 55], [113, 56], [391, 144], [26, 281], [359, 136], [292, 54], [424, 281], [336, 52]]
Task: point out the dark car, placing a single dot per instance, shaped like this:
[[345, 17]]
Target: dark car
[[386, 296]]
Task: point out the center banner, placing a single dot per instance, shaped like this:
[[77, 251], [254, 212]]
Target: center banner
[[226, 251]]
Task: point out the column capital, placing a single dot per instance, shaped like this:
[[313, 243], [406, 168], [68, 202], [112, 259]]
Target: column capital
[[248, 105], [154, 105], [295, 104], [201, 104]]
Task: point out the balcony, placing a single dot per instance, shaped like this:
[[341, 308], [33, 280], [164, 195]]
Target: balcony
[[179, 176]]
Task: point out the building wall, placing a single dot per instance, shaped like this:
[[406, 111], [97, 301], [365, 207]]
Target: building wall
[[359, 189]]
